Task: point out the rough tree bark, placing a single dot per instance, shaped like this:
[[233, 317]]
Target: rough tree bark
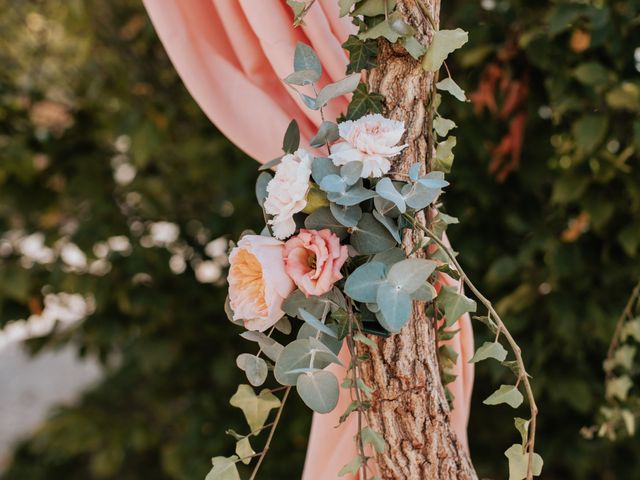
[[409, 406]]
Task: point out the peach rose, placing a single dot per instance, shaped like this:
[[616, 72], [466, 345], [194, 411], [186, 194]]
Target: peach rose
[[258, 283], [371, 139], [313, 260]]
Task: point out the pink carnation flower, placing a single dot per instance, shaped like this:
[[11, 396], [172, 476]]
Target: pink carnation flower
[[372, 140], [313, 260]]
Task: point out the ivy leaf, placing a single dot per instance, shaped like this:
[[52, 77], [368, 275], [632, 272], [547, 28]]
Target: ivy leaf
[[383, 29], [508, 394], [362, 285], [373, 438], [363, 103], [619, 387], [442, 126], [631, 329], [337, 89], [305, 58], [224, 468], [489, 350], [244, 450], [291, 140], [318, 390], [327, 133], [522, 426], [448, 85], [444, 42], [444, 154], [519, 462], [373, 8], [413, 46], [345, 6], [362, 54], [352, 467], [454, 304], [256, 408], [254, 367]]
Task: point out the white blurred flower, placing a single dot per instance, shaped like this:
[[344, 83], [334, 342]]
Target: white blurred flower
[[119, 243], [33, 248], [124, 174], [164, 233], [208, 272], [71, 255], [217, 247], [177, 264]]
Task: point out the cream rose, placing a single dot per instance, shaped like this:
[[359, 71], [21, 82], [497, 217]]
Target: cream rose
[[313, 260], [258, 283], [287, 192], [372, 140]]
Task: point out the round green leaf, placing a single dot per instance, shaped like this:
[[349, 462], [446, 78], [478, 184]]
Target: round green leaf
[[319, 390]]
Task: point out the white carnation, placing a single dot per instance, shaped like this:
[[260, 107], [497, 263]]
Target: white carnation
[[287, 192], [372, 140]]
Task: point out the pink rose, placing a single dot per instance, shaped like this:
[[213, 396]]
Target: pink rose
[[313, 260], [258, 283]]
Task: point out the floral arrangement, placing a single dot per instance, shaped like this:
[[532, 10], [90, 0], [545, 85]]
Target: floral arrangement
[[348, 246]]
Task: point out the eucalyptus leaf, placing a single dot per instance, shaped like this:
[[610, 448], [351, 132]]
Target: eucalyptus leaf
[[254, 367], [389, 257], [449, 85], [256, 408], [291, 140], [410, 274], [270, 164], [333, 184], [327, 133], [347, 216], [508, 394], [370, 236], [269, 346], [302, 77], [443, 43], [323, 218], [298, 355], [331, 343], [519, 462], [261, 187], [317, 324], [321, 167], [387, 190], [489, 350], [414, 171], [395, 307], [351, 172], [284, 325], [385, 207], [305, 59], [297, 300], [417, 196], [389, 224], [319, 390], [362, 284], [337, 89], [353, 196]]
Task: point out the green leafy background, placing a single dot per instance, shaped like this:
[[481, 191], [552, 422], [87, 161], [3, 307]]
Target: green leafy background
[[559, 282]]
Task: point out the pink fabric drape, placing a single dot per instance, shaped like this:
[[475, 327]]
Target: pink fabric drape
[[232, 55]]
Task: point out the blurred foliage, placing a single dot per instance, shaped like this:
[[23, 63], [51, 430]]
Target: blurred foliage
[[546, 185]]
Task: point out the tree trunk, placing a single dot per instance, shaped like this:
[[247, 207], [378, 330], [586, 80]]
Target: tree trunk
[[409, 407]]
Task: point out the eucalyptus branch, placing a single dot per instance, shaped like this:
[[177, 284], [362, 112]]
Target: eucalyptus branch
[[271, 433], [523, 376]]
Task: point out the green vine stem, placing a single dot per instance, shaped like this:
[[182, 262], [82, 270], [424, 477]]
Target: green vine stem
[[523, 376], [626, 313], [265, 449]]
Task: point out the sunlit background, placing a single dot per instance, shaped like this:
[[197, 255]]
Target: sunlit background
[[118, 200]]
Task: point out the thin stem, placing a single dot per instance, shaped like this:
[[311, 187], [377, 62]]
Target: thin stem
[[271, 432], [522, 372], [626, 313]]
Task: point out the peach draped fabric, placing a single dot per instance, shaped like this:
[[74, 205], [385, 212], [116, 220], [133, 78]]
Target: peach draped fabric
[[232, 55]]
